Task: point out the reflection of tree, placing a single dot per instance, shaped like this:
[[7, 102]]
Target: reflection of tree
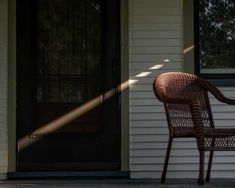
[[69, 50], [217, 33]]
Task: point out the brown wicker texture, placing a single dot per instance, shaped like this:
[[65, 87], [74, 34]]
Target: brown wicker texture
[[188, 113]]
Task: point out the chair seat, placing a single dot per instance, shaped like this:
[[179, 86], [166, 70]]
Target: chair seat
[[219, 139], [188, 111], [219, 132], [183, 132]]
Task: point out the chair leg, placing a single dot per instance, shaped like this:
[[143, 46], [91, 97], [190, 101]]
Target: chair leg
[[201, 167], [163, 178], [208, 174]]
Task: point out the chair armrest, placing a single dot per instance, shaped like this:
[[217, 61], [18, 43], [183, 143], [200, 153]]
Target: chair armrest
[[227, 100], [219, 95], [198, 124]]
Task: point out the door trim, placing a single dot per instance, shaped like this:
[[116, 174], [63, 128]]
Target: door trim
[[23, 115], [12, 85], [12, 151], [124, 55]]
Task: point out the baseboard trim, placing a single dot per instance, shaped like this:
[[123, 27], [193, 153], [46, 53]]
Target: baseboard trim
[[3, 176], [69, 174]]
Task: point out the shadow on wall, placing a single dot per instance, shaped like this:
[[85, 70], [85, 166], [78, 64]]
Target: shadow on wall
[[77, 112]]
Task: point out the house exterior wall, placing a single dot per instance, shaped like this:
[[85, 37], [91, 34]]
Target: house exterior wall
[[156, 37], [156, 45], [3, 87]]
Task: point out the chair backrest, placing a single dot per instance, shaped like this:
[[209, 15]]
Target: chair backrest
[[177, 85]]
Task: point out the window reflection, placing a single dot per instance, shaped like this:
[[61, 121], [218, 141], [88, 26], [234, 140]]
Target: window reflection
[[217, 36], [68, 50]]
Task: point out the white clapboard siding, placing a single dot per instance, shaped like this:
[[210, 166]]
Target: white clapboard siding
[[155, 34], [155, 57], [148, 11], [156, 40], [180, 160]]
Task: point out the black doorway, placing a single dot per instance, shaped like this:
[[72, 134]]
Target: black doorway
[[67, 54]]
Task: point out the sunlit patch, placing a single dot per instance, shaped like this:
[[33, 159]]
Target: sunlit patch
[[188, 49], [143, 74], [155, 67], [70, 116], [123, 86], [132, 81], [56, 124], [63, 120], [166, 60]]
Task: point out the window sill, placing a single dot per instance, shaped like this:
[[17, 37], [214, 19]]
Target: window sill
[[223, 82]]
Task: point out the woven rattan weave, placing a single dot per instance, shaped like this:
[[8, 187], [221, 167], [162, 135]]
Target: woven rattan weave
[[188, 112]]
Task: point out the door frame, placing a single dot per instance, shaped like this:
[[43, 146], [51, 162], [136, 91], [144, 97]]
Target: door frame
[[12, 124], [12, 146]]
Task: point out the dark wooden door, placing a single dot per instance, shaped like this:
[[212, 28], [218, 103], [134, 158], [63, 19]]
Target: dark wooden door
[[67, 56]]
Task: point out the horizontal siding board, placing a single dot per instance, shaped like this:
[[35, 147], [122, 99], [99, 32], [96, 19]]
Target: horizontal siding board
[[148, 130], [149, 80], [160, 4], [144, 102], [147, 138], [155, 42], [159, 108], [156, 19], [156, 27], [148, 123], [154, 57], [155, 34], [163, 145], [147, 66], [162, 123], [153, 73], [180, 160], [149, 116], [160, 115], [154, 50], [146, 109], [231, 89], [138, 87], [174, 153], [155, 11], [179, 167], [141, 94]]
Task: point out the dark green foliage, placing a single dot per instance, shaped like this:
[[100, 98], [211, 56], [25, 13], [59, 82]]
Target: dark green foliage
[[217, 33]]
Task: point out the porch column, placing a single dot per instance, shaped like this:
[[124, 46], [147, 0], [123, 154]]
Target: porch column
[[3, 87]]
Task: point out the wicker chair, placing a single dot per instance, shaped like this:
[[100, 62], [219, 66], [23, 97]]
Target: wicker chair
[[188, 113]]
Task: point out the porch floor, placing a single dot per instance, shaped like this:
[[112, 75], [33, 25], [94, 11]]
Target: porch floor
[[113, 183]]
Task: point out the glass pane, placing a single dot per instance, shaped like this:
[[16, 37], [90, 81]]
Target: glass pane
[[217, 36], [68, 50]]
